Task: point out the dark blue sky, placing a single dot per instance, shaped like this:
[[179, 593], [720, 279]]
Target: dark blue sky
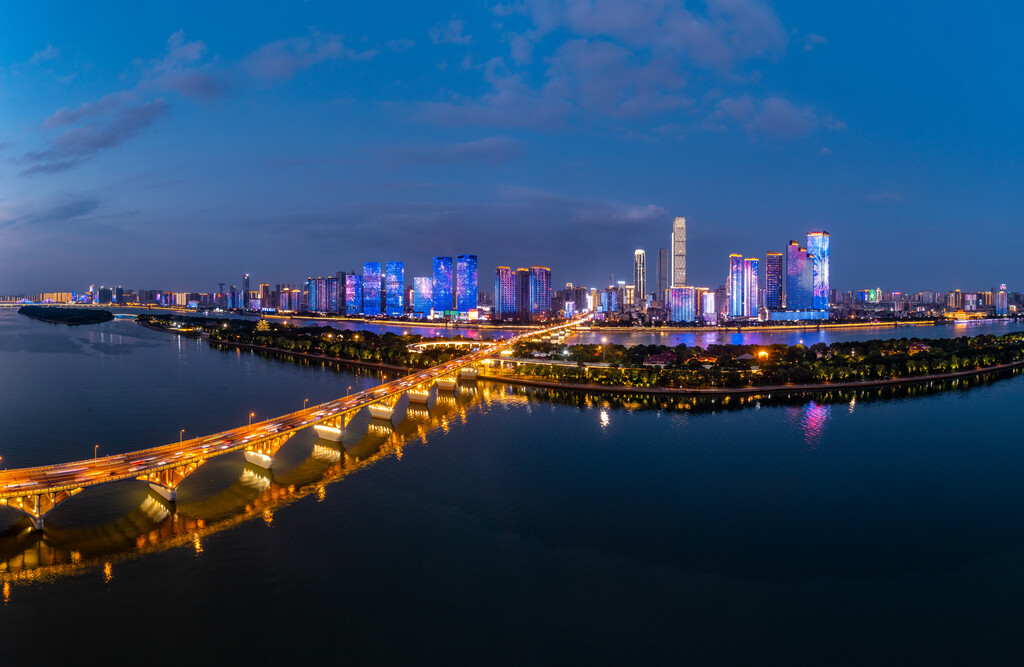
[[178, 146]]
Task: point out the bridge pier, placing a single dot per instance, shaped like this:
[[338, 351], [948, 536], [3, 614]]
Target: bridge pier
[[165, 482], [468, 373], [419, 394], [333, 429], [383, 409], [261, 453], [37, 506], [447, 383]]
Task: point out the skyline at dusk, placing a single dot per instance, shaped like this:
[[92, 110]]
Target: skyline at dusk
[[160, 150]]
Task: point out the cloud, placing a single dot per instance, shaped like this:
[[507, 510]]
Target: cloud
[[813, 41], [4, 145], [885, 196], [488, 149], [67, 207], [120, 122], [280, 60], [180, 71], [399, 45], [774, 116], [105, 104], [49, 53], [450, 32]]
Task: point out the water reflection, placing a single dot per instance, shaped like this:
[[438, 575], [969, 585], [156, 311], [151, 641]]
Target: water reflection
[[156, 525]]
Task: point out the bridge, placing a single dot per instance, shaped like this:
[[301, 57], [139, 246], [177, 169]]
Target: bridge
[[38, 490]]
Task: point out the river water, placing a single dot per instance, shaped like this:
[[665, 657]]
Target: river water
[[508, 526]]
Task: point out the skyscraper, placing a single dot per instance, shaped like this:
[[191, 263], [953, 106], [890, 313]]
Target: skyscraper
[[311, 295], [522, 294], [661, 270], [817, 245], [353, 295], [751, 288], [709, 309], [465, 283], [371, 289], [773, 281], [245, 291], [640, 277], [1002, 301], [394, 284], [422, 301], [682, 305], [734, 285], [679, 252], [540, 291], [504, 293], [799, 278], [331, 283], [441, 291]]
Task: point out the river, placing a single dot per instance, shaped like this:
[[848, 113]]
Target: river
[[506, 526]]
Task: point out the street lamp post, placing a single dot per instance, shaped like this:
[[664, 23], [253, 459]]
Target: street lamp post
[[304, 401], [251, 415], [95, 449], [603, 349], [181, 435]]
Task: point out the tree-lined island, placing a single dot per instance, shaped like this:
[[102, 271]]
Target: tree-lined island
[[652, 367], [62, 315]]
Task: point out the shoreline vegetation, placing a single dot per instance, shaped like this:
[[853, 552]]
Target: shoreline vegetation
[[652, 369], [69, 316]]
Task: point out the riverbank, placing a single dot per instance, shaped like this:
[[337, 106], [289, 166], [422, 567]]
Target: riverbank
[[69, 316]]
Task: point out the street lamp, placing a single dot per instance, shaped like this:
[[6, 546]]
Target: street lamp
[[181, 434], [251, 415], [603, 346], [304, 401], [95, 449]]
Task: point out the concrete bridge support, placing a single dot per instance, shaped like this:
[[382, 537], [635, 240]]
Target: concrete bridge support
[[468, 373], [384, 408], [261, 453], [447, 383], [37, 506], [333, 429], [420, 394], [165, 482]]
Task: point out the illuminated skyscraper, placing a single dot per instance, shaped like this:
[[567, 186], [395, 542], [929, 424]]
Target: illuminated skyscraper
[[639, 277], [422, 301], [709, 309], [734, 285], [682, 304], [442, 288], [679, 252], [773, 281], [371, 289], [331, 283], [751, 288], [799, 278], [465, 283], [661, 278], [1002, 301], [504, 293], [310, 294], [522, 294], [245, 291], [540, 291], [817, 245], [394, 285], [353, 295]]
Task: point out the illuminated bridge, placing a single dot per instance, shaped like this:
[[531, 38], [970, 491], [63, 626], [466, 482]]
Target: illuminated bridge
[[36, 491]]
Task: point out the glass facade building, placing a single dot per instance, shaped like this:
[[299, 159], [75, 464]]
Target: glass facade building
[[371, 289], [682, 304], [709, 309], [353, 295], [1002, 301], [640, 277], [751, 288], [734, 285], [504, 293], [465, 283], [799, 278], [540, 291], [442, 286], [422, 301], [773, 281], [522, 293], [394, 284], [817, 247]]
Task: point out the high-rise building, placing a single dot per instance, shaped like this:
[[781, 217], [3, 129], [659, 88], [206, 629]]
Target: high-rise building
[[465, 283], [422, 299], [310, 294], [679, 252], [332, 294], [639, 277], [734, 285], [504, 293], [522, 294], [441, 291], [245, 291], [799, 278], [1002, 301], [773, 281], [540, 291], [353, 295], [661, 270], [817, 245], [394, 284], [682, 304], [709, 309], [371, 289], [751, 288]]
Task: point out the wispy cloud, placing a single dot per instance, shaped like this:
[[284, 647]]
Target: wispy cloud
[[812, 41], [181, 71], [280, 60], [450, 32], [49, 53], [488, 149]]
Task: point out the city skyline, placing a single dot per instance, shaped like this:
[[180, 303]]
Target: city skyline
[[187, 149]]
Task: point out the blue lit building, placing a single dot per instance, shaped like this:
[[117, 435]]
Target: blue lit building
[[465, 283], [1002, 301], [353, 295], [817, 247], [751, 288], [709, 309], [540, 291], [504, 293], [310, 294], [773, 281], [441, 294], [682, 304], [371, 289], [422, 301], [799, 278], [394, 284], [734, 285]]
